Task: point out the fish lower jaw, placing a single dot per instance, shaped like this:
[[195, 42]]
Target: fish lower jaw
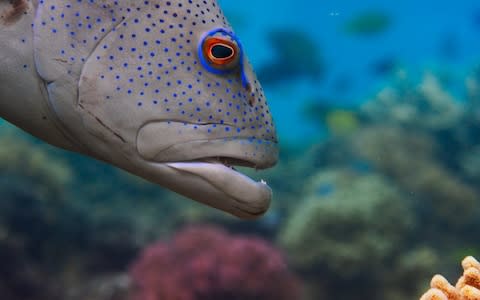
[[218, 184]]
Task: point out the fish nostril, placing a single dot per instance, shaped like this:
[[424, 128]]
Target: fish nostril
[[249, 88], [251, 94]]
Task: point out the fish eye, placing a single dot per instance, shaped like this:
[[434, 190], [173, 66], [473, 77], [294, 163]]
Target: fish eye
[[220, 53]]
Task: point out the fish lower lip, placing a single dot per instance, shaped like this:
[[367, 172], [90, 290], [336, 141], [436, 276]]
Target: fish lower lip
[[243, 196]]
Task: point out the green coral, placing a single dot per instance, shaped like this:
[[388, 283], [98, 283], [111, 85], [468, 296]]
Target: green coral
[[409, 274], [351, 225], [368, 23], [20, 157], [37, 227], [410, 159], [64, 217], [347, 231], [424, 106]]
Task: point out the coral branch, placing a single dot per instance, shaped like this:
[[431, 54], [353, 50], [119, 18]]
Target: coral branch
[[467, 287]]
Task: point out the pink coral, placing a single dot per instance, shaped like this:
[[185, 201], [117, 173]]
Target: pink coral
[[207, 263]]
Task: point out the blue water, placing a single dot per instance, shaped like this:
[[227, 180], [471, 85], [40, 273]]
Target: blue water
[[376, 210], [415, 38]]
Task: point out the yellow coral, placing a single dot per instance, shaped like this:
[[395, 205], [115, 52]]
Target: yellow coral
[[467, 287], [342, 122]]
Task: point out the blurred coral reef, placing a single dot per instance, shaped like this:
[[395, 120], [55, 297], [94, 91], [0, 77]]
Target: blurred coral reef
[[205, 262], [351, 225], [63, 235], [388, 197], [423, 105]]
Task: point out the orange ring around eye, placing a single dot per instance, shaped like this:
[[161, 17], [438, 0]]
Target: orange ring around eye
[[211, 42]]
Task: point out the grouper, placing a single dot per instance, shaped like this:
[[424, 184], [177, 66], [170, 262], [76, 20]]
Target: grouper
[[161, 89]]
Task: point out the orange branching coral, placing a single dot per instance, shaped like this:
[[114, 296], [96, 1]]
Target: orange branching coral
[[467, 287]]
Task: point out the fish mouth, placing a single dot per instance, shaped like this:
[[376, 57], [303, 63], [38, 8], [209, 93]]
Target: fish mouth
[[204, 170], [231, 190]]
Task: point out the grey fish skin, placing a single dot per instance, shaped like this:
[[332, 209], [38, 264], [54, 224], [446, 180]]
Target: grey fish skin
[[159, 88]]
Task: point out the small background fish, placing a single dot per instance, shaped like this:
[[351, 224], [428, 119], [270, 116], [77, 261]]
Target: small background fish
[[376, 188]]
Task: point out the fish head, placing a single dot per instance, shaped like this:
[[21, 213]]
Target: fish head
[[168, 94]]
